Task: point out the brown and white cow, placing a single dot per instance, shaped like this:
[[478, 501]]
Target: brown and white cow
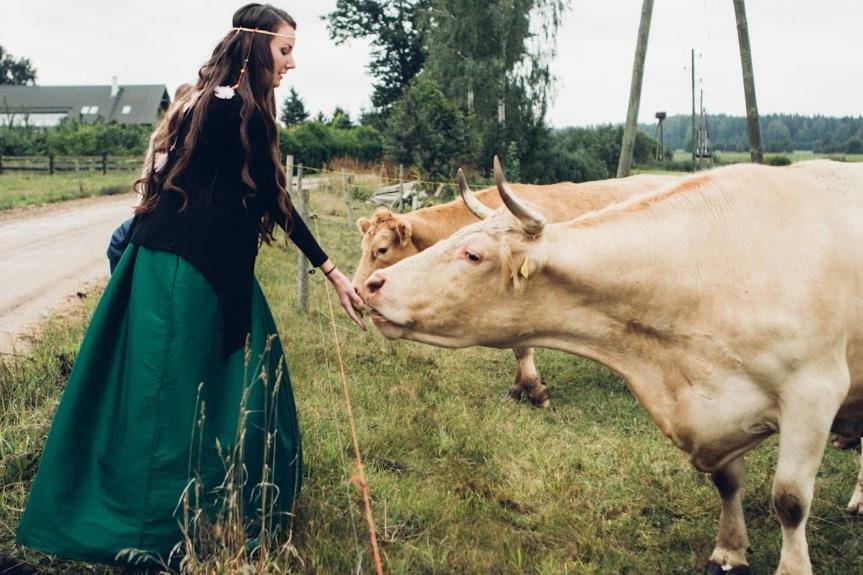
[[730, 302], [389, 238]]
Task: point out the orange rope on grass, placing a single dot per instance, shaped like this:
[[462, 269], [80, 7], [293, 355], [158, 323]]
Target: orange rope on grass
[[360, 480]]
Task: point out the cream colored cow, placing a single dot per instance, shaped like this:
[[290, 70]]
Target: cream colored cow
[[389, 238], [731, 303]]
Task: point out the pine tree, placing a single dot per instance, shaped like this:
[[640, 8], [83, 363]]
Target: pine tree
[[341, 119], [293, 110]]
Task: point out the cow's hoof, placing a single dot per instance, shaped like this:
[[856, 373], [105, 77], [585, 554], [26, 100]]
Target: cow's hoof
[[515, 393], [542, 400], [538, 394], [717, 569], [855, 508], [841, 442]]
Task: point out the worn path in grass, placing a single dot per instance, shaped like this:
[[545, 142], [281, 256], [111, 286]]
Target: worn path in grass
[[49, 254]]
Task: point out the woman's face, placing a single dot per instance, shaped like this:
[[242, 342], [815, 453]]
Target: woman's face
[[283, 53]]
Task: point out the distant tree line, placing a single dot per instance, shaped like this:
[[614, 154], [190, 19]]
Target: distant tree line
[[780, 133], [455, 83]]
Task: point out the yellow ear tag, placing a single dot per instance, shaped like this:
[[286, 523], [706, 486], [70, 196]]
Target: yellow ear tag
[[523, 271]]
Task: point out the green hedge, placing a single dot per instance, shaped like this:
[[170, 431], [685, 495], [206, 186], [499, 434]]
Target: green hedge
[[74, 137], [315, 143]]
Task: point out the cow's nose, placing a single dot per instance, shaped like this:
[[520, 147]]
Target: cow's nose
[[375, 283]]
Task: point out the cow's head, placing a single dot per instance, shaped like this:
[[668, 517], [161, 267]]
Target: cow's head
[[387, 239], [470, 288]]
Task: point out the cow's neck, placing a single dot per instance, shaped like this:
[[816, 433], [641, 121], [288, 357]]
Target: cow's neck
[[613, 289]]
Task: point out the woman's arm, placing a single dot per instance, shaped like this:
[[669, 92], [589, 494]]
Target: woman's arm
[[264, 174]]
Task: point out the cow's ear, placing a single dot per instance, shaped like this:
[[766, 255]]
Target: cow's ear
[[518, 266], [363, 224], [403, 229]]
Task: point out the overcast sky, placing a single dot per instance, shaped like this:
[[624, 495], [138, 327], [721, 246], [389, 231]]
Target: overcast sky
[[805, 54]]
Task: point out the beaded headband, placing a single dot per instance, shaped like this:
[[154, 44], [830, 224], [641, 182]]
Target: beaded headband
[[259, 31]]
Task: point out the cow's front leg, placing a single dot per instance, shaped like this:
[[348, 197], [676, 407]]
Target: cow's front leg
[[527, 379], [729, 555], [855, 506], [806, 414]]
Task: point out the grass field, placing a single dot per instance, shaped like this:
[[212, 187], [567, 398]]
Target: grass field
[[796, 156], [18, 190], [462, 480]]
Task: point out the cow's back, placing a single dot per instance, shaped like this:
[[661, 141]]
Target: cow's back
[[567, 200], [772, 254]]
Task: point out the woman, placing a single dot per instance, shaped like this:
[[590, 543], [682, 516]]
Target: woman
[[181, 372]]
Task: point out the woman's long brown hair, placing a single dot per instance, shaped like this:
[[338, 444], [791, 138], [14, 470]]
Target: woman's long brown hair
[[256, 94]]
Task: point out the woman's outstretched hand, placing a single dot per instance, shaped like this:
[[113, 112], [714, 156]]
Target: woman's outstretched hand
[[351, 301]]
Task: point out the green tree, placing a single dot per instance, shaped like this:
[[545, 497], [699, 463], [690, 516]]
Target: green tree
[[341, 119], [428, 131], [397, 39], [854, 146], [16, 72], [492, 57], [293, 110]]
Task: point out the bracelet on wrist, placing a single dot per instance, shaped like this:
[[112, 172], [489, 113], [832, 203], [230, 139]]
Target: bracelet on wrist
[[331, 270]]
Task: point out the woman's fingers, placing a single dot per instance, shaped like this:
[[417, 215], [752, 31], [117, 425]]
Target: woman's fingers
[[347, 303], [352, 303], [356, 300]]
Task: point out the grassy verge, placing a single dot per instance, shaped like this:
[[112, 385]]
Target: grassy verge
[[796, 156], [17, 191], [462, 481]]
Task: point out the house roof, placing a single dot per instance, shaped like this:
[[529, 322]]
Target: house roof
[[139, 104]]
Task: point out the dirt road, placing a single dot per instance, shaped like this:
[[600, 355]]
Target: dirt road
[[50, 254]]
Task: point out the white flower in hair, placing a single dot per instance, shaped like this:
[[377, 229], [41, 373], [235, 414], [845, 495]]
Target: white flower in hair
[[224, 92]]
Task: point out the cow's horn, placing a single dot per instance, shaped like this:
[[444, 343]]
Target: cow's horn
[[476, 207], [532, 220]]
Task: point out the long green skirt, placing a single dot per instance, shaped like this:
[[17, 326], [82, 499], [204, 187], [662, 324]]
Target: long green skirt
[[154, 418]]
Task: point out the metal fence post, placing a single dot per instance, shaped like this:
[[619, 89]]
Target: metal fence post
[[303, 265], [347, 194]]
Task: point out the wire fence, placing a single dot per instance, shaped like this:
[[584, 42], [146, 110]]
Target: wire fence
[[301, 196]]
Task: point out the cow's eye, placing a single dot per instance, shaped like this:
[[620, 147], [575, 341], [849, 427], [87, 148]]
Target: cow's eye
[[382, 250], [472, 256]]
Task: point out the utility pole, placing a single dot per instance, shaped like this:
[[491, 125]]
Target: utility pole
[[752, 121], [694, 142], [635, 91]]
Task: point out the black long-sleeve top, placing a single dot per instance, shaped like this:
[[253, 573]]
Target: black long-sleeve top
[[218, 230]]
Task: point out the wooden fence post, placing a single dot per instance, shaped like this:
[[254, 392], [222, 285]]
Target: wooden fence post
[[1, 164], [347, 194], [289, 176], [51, 165], [401, 187], [104, 164], [302, 263]]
